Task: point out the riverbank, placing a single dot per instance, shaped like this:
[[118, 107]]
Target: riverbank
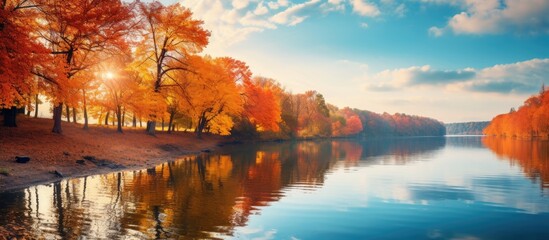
[[78, 152]]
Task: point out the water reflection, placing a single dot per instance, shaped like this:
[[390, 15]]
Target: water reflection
[[315, 189], [531, 156], [464, 141], [193, 197]]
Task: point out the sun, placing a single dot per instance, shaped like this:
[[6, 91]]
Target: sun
[[109, 75]]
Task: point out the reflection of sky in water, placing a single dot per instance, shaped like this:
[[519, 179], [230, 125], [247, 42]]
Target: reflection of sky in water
[[407, 188], [460, 192]]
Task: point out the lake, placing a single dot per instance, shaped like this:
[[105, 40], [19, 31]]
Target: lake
[[401, 188]]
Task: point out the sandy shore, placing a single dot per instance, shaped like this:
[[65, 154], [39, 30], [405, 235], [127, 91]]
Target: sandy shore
[[112, 151]]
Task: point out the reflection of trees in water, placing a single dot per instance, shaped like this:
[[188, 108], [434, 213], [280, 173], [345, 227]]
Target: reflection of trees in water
[[531, 155], [15, 214], [196, 197], [64, 216], [304, 162], [464, 141], [265, 170], [400, 150]]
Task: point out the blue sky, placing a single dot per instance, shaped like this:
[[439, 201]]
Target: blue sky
[[453, 60]]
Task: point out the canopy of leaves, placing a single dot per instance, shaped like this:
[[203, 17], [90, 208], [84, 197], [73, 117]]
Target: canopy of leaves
[[531, 119]]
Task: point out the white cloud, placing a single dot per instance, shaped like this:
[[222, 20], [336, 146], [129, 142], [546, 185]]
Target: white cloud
[[333, 6], [227, 25], [261, 9], [495, 16], [365, 8], [437, 32], [364, 25], [234, 22], [283, 3], [293, 15], [251, 19], [296, 20], [240, 4], [273, 5], [520, 77], [277, 4]]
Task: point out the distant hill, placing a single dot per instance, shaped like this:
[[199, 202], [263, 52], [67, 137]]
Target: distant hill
[[466, 128]]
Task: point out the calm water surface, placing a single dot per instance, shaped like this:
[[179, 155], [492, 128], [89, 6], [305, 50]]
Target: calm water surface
[[414, 188]]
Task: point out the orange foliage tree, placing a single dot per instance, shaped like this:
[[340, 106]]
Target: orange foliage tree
[[122, 90], [74, 30], [351, 124], [261, 105], [529, 121], [209, 94], [20, 52], [170, 35]]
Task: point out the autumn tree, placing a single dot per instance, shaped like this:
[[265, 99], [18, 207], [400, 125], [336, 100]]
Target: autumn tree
[[290, 104], [530, 120], [347, 123], [209, 94], [75, 29], [170, 35], [20, 52], [87, 81], [261, 106], [313, 115], [540, 119]]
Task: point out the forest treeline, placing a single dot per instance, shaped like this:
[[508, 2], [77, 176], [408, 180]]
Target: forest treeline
[[530, 120], [399, 124], [466, 128], [133, 62]]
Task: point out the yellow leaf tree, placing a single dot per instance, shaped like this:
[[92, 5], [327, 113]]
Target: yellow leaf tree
[[209, 94], [170, 35]]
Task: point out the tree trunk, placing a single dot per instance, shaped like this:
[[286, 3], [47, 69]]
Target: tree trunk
[[57, 114], [68, 112], [170, 122], [85, 110], [36, 106], [29, 106], [10, 117], [200, 126], [151, 125], [119, 118], [140, 123], [162, 124], [107, 119], [124, 118], [134, 121], [74, 115]]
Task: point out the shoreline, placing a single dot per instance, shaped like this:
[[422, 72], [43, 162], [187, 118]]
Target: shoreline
[[66, 153], [46, 177]]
